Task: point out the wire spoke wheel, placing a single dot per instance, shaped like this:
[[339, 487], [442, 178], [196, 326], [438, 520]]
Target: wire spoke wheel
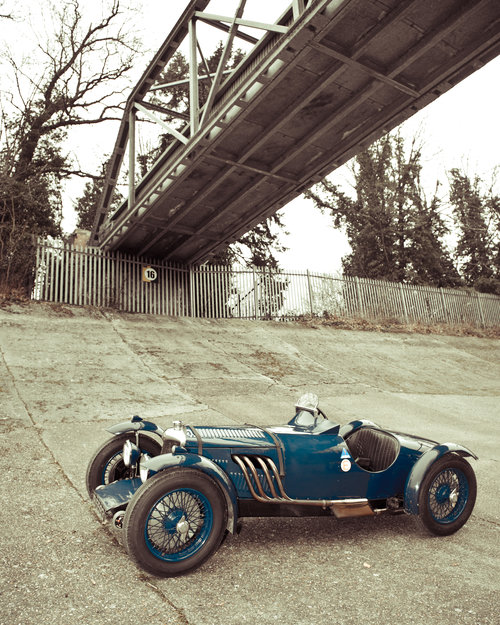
[[178, 524], [447, 496], [107, 464], [175, 521], [115, 469]]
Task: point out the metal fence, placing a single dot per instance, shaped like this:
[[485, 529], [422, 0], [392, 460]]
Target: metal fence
[[89, 277]]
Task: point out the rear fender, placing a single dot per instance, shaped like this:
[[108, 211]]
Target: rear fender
[[200, 463], [349, 428], [422, 466]]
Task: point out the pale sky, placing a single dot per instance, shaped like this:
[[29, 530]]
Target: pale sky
[[460, 129]]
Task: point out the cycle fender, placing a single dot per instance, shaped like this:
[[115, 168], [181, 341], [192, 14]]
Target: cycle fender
[[422, 466], [199, 463], [136, 425]]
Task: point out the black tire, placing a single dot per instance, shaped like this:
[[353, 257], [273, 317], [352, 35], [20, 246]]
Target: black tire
[[175, 522], [107, 466], [447, 495]]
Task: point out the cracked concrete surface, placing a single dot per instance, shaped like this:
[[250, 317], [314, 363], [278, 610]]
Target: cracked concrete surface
[[68, 373]]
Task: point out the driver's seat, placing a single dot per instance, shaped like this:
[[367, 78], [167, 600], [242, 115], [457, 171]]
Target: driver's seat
[[373, 449]]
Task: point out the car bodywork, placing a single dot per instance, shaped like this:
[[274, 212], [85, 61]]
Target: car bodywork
[[310, 466]]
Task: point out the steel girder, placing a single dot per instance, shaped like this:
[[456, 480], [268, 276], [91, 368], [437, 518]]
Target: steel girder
[[329, 78]]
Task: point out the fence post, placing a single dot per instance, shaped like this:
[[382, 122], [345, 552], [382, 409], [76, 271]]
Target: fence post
[[358, 292], [255, 296], [481, 315], [311, 302], [443, 303], [403, 301], [37, 265], [191, 291]]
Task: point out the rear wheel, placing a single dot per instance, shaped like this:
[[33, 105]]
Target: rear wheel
[[107, 464], [447, 495], [175, 522]]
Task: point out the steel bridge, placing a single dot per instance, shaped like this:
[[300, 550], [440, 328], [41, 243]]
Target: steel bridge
[[316, 87]]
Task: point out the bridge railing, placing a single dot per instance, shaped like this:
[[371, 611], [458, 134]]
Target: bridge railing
[[90, 277]]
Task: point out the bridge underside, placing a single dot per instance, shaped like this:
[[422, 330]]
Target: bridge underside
[[332, 77]]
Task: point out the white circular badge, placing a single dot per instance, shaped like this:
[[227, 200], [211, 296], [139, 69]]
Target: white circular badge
[[345, 465]]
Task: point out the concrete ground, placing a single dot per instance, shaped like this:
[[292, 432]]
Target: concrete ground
[[68, 373]]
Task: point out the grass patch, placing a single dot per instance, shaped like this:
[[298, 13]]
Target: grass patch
[[396, 326]]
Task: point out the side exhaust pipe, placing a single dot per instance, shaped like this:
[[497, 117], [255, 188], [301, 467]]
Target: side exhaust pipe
[[341, 508]]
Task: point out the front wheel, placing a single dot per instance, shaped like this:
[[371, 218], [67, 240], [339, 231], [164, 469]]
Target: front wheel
[[447, 495], [175, 522], [107, 465]]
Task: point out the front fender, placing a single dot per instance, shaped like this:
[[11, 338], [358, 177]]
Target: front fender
[[134, 426], [200, 463], [420, 468]]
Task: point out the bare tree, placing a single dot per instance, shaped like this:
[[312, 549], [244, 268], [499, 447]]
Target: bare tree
[[5, 14], [78, 68], [74, 77]]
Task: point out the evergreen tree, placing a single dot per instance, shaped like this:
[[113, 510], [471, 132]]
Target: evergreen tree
[[428, 260], [394, 232], [86, 204], [476, 214], [257, 247]]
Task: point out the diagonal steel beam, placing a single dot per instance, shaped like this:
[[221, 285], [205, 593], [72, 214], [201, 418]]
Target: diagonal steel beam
[[435, 36], [175, 133], [207, 108], [164, 110], [240, 34], [371, 71], [276, 28], [185, 81]]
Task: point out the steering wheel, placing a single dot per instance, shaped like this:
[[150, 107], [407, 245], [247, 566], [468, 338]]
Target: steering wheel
[[320, 412]]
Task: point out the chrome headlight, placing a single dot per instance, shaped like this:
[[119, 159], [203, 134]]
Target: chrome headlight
[[144, 471], [131, 454]]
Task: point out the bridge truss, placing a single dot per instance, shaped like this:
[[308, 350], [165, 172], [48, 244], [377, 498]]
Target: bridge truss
[[317, 86]]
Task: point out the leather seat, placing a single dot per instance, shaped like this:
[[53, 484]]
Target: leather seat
[[373, 450]]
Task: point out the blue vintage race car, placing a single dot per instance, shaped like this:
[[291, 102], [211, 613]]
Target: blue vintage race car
[[173, 494]]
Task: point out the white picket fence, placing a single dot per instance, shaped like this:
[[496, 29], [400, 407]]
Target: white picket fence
[[89, 277]]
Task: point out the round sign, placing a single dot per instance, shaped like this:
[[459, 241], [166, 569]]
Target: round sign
[[149, 274], [345, 465]]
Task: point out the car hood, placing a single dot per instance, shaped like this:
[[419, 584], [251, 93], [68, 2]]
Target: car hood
[[229, 436]]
